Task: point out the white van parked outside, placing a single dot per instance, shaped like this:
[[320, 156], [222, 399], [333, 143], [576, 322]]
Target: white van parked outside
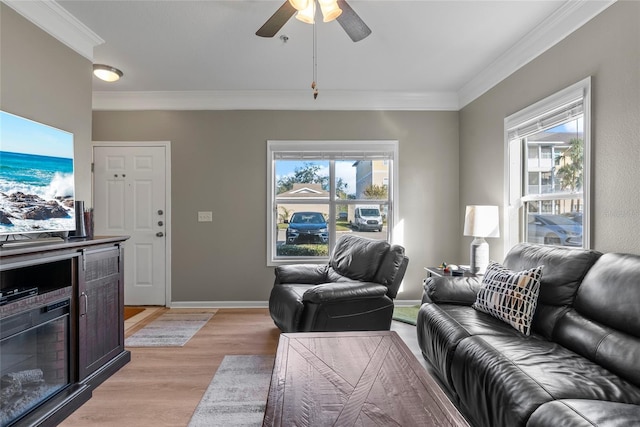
[[366, 218]]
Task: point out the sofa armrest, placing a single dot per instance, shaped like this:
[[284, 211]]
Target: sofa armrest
[[303, 274], [343, 291], [451, 290]]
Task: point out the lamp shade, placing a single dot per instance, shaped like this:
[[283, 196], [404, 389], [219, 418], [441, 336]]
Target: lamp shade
[[481, 221], [330, 10], [307, 14], [300, 4]]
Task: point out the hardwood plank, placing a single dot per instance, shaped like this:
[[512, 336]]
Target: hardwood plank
[[162, 387]]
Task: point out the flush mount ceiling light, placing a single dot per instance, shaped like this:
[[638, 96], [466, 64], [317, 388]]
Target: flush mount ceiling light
[[106, 72]]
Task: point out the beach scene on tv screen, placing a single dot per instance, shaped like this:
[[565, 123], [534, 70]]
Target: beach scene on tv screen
[[36, 177]]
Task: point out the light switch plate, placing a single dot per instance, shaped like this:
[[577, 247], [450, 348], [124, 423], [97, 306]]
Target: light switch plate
[[206, 216]]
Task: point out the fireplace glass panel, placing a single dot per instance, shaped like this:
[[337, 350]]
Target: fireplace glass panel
[[34, 359]]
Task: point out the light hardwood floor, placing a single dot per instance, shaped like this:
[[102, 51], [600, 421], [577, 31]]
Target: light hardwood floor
[[163, 386]]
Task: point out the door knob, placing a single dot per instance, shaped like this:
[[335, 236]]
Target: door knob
[[159, 234]]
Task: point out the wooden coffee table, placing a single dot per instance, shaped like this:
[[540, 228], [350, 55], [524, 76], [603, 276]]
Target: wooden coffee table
[[353, 378]]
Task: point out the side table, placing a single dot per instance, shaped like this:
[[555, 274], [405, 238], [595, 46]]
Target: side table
[[439, 272]]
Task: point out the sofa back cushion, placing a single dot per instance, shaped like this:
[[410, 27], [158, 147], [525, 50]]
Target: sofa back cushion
[[604, 325], [357, 258], [610, 293], [564, 269]]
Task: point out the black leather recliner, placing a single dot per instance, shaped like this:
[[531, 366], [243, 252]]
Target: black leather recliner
[[353, 292]]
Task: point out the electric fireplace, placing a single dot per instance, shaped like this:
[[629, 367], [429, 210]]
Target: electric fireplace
[[34, 353]]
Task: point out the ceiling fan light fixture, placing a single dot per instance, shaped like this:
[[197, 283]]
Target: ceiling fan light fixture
[[107, 73], [330, 10], [300, 4], [307, 14]]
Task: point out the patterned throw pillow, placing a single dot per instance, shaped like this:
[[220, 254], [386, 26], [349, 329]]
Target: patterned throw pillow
[[510, 296]]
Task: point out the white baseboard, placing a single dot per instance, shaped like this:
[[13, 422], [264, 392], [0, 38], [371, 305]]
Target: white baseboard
[[255, 304], [219, 304]]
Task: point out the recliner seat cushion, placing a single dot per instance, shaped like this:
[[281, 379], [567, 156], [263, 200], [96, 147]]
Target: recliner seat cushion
[[502, 380]]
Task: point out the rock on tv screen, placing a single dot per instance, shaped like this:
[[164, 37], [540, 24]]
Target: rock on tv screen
[[36, 177]]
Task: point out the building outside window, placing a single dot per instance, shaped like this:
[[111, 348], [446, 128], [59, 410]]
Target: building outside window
[[319, 190], [547, 173]]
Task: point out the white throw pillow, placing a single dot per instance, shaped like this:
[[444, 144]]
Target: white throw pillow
[[510, 296]]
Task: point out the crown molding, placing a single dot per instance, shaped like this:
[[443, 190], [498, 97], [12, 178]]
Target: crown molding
[[274, 100], [55, 20], [564, 21]]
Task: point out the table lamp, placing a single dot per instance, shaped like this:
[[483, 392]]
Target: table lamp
[[481, 222]]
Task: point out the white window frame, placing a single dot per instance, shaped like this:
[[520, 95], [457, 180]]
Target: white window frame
[[346, 149], [514, 218]]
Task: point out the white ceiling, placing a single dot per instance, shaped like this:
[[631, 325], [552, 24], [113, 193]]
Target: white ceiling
[[420, 55]]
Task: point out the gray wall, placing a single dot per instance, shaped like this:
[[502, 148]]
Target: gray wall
[[43, 80], [447, 159], [219, 164], [608, 49]]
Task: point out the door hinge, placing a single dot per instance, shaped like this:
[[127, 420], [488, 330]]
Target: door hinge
[[92, 167]]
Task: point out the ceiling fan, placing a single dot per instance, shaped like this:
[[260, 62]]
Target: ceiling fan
[[340, 10]]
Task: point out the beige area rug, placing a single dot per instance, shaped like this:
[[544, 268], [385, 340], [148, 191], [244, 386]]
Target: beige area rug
[[169, 330], [237, 394]]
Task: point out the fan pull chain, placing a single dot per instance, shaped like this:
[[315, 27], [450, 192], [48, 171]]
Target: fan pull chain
[[314, 85]]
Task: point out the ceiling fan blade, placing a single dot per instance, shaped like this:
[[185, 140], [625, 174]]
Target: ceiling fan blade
[[277, 20], [352, 23]]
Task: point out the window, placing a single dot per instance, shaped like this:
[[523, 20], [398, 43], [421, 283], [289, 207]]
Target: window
[[547, 170], [318, 190]]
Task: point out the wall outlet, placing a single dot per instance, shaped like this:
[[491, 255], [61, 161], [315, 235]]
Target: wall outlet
[[206, 216]]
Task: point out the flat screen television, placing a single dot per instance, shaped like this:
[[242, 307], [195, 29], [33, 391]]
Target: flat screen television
[[36, 178]]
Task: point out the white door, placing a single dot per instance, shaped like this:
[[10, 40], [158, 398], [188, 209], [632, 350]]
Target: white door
[[129, 199]]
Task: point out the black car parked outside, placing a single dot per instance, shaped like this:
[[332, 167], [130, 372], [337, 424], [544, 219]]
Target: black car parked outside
[[307, 227]]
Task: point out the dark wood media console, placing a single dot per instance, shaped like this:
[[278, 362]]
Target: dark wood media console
[[87, 276]]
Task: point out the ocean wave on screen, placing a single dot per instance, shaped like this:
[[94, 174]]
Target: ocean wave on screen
[[29, 225], [11, 187], [61, 185]]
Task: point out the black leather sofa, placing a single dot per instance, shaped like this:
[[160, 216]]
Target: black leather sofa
[[580, 366], [354, 291]]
